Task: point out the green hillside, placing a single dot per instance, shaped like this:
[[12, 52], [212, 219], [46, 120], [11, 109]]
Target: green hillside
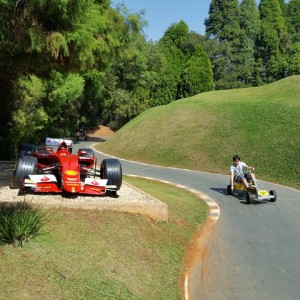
[[203, 132]]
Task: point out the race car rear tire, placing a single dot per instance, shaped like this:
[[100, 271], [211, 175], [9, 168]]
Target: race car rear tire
[[273, 193], [111, 169], [26, 149], [26, 165]]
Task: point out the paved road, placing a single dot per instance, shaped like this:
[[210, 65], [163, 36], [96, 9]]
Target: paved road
[[255, 249]]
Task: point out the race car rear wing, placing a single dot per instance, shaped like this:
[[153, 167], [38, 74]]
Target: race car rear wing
[[58, 141]]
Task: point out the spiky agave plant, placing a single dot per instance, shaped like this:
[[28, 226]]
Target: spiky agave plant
[[21, 222]]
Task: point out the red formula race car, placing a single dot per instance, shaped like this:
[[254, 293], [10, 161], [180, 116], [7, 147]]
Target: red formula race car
[[54, 169]]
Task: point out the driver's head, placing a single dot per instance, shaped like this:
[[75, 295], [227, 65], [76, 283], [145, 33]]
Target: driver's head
[[236, 159], [62, 146]]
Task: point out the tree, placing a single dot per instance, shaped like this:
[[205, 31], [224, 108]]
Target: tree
[[30, 115], [197, 76], [249, 23], [293, 26], [67, 46], [171, 45], [127, 84], [273, 45], [223, 26]]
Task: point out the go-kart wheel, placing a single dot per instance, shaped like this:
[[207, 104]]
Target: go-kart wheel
[[229, 191], [111, 169], [249, 198], [273, 193], [26, 165]]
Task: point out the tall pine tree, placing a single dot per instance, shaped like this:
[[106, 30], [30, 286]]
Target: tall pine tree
[[249, 22], [293, 24], [273, 43], [223, 26]]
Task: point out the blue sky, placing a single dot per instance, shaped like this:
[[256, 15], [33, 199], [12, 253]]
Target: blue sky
[[160, 14]]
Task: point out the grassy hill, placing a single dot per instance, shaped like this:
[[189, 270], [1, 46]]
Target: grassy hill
[[203, 132]]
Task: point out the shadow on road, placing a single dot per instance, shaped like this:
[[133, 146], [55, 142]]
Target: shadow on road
[[220, 190], [91, 139]]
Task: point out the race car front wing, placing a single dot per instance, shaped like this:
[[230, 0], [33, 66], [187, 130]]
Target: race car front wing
[[47, 183]]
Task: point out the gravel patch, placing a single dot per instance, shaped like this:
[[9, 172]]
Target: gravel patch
[[128, 199]]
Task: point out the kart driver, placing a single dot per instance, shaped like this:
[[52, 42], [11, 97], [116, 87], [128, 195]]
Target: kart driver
[[238, 172]]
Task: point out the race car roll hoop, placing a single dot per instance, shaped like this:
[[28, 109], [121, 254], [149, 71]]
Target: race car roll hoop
[[49, 170]]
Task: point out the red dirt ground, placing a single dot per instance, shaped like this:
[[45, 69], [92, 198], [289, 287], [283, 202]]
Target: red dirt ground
[[101, 131]]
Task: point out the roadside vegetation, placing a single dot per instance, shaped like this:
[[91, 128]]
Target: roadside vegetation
[[203, 132], [20, 222], [105, 255], [90, 63]]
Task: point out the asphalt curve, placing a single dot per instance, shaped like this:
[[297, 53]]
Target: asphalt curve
[[255, 249]]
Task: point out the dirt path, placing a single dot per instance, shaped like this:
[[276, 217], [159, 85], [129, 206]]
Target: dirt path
[[101, 130]]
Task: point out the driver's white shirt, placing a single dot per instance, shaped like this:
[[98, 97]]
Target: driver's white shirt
[[239, 169]]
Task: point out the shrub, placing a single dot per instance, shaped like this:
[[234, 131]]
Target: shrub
[[20, 222]]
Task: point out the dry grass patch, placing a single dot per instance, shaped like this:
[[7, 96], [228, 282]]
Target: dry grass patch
[[105, 255]]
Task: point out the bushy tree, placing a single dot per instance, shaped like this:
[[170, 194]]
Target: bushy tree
[[30, 116], [185, 67], [197, 76], [66, 45], [171, 45], [128, 82]]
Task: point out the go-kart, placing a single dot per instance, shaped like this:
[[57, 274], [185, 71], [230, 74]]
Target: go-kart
[[46, 170], [81, 134], [255, 192]]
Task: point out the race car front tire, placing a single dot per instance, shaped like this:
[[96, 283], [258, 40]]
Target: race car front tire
[[26, 165], [111, 169]]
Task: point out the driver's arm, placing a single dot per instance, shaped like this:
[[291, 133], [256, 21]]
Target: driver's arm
[[231, 180], [249, 168]]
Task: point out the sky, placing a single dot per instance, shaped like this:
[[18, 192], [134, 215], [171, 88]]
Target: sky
[[161, 14]]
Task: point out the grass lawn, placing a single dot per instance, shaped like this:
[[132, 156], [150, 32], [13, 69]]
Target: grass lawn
[[203, 132], [105, 255]]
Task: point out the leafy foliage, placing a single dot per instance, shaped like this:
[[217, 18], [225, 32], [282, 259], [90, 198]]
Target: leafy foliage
[[29, 115], [81, 62], [20, 223], [197, 76]]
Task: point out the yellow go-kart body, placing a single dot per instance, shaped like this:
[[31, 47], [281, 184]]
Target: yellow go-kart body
[[256, 192], [240, 187]]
